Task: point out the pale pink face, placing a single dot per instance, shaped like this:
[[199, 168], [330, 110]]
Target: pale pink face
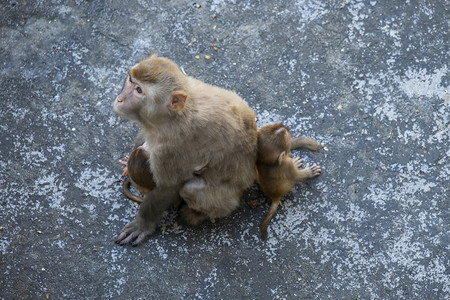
[[130, 101]]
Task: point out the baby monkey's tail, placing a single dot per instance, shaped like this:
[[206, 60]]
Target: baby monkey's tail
[[128, 193], [269, 216]]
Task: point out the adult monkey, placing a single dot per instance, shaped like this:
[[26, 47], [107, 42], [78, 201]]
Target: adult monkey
[[202, 144]]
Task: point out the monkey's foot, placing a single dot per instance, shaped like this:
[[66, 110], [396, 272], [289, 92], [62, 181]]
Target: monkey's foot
[[298, 162], [253, 203], [314, 169], [135, 232]]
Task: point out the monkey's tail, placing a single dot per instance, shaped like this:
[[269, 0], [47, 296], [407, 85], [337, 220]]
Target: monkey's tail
[[269, 216], [304, 142], [130, 195]]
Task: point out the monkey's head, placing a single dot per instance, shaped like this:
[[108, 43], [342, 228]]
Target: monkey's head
[[154, 89], [274, 142]]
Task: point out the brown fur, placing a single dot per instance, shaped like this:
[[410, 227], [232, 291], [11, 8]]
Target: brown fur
[[190, 126], [278, 171], [138, 170], [126, 190]]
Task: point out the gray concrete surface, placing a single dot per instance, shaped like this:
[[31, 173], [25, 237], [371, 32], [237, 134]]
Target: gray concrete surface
[[368, 79]]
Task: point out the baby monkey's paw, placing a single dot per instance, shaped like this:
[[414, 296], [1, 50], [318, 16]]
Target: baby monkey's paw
[[298, 162], [124, 161]]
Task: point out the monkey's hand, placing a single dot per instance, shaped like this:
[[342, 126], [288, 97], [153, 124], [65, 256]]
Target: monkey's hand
[[298, 162], [150, 211], [124, 162]]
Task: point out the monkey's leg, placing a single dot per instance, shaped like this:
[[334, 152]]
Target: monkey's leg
[[304, 142], [144, 224], [269, 216], [213, 201], [189, 192]]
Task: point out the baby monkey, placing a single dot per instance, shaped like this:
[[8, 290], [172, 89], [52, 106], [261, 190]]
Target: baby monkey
[[137, 168], [278, 169]]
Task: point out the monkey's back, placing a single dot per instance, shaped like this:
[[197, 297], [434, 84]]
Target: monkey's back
[[229, 125], [275, 180]]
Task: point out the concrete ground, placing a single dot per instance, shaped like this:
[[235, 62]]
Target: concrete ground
[[369, 79]]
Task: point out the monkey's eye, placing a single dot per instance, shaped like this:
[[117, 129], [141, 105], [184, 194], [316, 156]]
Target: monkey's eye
[[139, 90]]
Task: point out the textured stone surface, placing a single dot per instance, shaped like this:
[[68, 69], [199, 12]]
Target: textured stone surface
[[368, 79]]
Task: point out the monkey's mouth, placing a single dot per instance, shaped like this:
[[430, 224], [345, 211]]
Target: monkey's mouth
[[117, 104]]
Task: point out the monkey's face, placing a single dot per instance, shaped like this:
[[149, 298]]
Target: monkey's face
[[152, 89], [130, 101]]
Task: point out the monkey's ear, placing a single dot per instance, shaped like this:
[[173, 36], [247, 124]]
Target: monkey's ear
[[177, 101], [280, 158]]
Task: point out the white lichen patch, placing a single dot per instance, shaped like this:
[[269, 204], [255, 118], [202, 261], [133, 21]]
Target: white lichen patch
[[387, 110], [93, 183], [410, 136], [54, 188], [356, 28], [441, 129], [420, 82], [266, 118]]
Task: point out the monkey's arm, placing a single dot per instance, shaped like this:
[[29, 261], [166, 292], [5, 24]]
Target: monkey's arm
[[155, 203], [305, 173], [304, 142]]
